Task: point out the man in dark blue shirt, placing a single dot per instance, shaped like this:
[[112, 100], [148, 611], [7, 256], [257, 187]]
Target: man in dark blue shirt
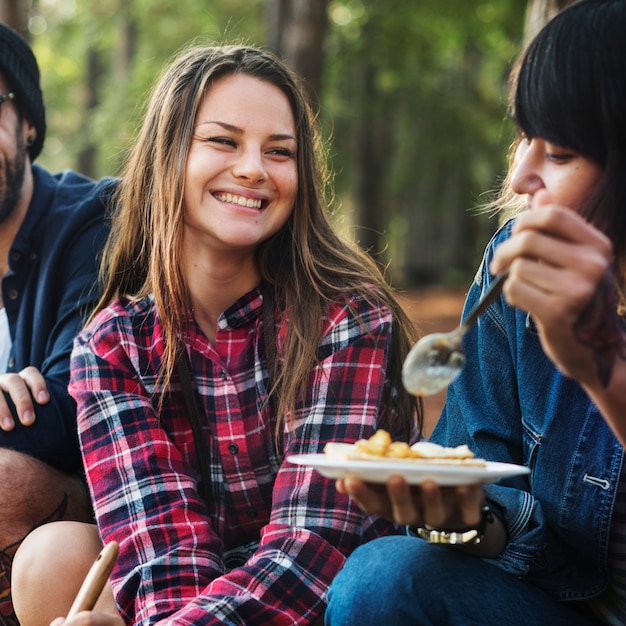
[[52, 228]]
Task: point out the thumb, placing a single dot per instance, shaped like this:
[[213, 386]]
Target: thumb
[[541, 198]]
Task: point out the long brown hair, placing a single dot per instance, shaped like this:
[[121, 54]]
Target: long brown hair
[[306, 264]]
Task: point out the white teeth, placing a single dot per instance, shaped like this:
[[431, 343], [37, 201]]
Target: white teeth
[[240, 200]]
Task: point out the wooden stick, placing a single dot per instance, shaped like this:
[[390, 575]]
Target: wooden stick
[[95, 580]]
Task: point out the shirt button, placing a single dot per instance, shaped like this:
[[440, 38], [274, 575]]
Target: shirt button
[[251, 513], [223, 374], [15, 257], [11, 362], [13, 294], [233, 448]]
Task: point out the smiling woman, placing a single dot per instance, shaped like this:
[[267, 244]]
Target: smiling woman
[[240, 187], [227, 294]]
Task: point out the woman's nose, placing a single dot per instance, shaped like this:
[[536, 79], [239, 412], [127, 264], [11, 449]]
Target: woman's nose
[[250, 166], [525, 175]]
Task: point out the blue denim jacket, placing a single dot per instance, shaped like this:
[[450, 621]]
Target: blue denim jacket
[[511, 404], [47, 292]]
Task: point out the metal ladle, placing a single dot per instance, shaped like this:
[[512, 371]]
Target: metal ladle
[[437, 359]]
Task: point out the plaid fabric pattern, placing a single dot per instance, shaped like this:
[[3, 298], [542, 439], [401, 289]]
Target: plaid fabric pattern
[[142, 466]]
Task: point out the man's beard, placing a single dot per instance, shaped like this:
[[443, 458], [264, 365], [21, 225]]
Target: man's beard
[[12, 180]]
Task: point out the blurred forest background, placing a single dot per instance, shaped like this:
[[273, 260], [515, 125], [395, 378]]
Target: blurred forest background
[[412, 99]]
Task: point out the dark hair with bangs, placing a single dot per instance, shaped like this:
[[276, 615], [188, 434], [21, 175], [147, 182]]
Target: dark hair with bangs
[[566, 86], [569, 88]]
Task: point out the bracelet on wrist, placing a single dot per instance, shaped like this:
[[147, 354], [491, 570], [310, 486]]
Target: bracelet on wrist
[[465, 536]]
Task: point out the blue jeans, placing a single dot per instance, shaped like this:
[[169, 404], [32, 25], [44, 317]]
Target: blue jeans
[[404, 581]]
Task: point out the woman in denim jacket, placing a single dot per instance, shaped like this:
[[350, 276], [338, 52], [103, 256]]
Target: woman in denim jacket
[[544, 384]]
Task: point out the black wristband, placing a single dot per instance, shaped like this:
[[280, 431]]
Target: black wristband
[[465, 536]]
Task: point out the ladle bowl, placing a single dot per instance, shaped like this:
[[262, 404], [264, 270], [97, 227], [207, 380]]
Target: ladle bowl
[[437, 359]]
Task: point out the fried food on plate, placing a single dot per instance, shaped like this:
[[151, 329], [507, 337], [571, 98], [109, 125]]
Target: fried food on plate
[[380, 447]]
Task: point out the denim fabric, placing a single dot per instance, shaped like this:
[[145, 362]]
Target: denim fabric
[[511, 404], [47, 292], [403, 581]]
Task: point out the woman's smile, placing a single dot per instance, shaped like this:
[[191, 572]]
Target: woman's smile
[[242, 201], [241, 177]]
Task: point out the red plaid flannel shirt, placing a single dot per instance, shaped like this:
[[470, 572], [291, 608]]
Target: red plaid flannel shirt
[[142, 467]]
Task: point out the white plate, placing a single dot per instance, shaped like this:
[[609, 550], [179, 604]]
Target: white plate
[[413, 472]]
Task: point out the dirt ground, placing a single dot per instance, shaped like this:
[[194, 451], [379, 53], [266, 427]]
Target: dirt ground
[[434, 309]]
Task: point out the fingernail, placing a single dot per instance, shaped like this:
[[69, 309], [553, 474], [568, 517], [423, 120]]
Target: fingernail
[[7, 423], [42, 396], [28, 418]]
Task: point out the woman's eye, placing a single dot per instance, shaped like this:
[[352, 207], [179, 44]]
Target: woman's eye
[[560, 157], [226, 141], [559, 154], [283, 152]]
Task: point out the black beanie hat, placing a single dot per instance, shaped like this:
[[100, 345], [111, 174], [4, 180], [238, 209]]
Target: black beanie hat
[[19, 66]]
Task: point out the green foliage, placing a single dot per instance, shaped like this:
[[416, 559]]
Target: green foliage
[[426, 81], [440, 70], [414, 99], [71, 31]]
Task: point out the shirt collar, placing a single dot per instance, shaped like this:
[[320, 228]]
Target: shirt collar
[[243, 311], [32, 227]]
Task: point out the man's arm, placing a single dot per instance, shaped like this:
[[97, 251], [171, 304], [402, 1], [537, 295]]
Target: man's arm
[[56, 302]]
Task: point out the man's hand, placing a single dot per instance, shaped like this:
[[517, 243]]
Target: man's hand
[[22, 387]]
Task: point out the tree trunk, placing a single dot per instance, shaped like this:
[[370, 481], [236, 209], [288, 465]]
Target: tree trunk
[[126, 48], [538, 12], [15, 14], [296, 31], [87, 154], [369, 217], [97, 79]]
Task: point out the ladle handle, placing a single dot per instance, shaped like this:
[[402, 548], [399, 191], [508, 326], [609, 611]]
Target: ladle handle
[[489, 296]]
